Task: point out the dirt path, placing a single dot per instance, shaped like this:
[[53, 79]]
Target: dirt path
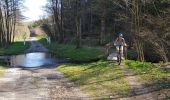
[[37, 84], [36, 46], [140, 92]]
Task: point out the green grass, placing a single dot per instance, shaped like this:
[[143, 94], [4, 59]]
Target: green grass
[[42, 40], [153, 74], [100, 79], [68, 51], [2, 69], [14, 49]]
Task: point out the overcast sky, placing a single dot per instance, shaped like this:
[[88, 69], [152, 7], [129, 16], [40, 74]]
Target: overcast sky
[[34, 9]]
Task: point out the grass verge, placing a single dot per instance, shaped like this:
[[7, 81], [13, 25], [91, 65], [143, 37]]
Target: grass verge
[[2, 69], [42, 40], [14, 49], [68, 51], [153, 74], [100, 79]]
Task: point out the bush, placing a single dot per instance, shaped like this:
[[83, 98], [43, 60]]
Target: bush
[[131, 54]]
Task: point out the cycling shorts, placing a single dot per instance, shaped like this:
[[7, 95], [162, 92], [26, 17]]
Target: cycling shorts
[[121, 48]]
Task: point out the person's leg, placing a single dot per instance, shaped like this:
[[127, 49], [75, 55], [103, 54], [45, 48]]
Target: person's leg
[[122, 56], [117, 50]]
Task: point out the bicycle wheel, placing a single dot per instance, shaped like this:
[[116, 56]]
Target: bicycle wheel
[[119, 59]]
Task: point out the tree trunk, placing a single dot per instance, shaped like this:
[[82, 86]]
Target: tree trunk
[[91, 18], [61, 24], [78, 24], [136, 14], [79, 32], [102, 30]]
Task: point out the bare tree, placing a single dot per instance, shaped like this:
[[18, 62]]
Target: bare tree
[[55, 9], [8, 15]]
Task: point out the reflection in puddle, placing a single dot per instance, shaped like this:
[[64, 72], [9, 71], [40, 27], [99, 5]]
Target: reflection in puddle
[[32, 60]]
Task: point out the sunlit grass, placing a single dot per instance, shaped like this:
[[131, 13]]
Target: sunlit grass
[[2, 69], [43, 40], [99, 79], [151, 73]]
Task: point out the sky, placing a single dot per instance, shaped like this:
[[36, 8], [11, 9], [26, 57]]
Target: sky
[[33, 9]]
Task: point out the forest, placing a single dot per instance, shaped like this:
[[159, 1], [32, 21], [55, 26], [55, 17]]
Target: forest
[[144, 24]]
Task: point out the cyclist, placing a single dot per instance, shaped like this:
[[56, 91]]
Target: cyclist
[[120, 41]]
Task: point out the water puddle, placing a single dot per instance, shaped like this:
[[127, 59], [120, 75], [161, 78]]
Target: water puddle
[[31, 60]]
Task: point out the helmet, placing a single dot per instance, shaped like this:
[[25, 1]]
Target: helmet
[[120, 34]]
